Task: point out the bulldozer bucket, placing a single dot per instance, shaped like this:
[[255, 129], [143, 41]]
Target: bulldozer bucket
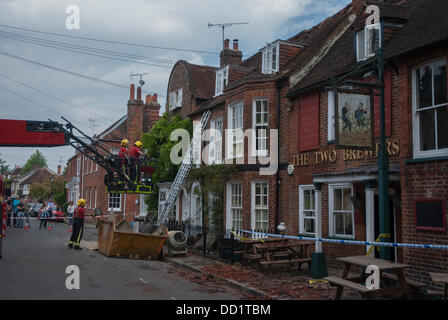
[[114, 243]]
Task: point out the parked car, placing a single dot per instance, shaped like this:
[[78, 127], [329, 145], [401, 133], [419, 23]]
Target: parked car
[[58, 216], [36, 209]]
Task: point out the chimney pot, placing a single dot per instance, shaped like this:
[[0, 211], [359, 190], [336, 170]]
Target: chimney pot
[[148, 98], [139, 93], [154, 97], [235, 44], [226, 44], [132, 92]]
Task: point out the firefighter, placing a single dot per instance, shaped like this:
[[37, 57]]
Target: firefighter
[[123, 159], [135, 154], [78, 225]]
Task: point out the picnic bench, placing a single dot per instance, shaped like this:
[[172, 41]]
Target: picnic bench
[[440, 278], [405, 286], [279, 252]]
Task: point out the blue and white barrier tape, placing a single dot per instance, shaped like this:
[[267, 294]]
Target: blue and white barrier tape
[[362, 243]]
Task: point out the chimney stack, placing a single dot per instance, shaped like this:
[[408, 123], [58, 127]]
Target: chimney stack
[[132, 95], [229, 56], [235, 44], [139, 93], [226, 44]]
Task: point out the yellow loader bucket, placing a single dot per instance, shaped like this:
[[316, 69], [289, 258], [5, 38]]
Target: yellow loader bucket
[[115, 243]]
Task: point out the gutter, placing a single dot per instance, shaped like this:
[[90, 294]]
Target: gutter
[[277, 175]]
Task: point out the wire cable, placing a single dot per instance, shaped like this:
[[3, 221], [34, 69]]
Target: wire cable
[[108, 41], [56, 98]]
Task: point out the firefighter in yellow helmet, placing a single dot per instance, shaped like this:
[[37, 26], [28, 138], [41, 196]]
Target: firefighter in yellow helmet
[[78, 225], [135, 153], [123, 158]]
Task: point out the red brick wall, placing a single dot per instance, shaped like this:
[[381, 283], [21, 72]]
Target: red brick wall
[[179, 79], [420, 180]]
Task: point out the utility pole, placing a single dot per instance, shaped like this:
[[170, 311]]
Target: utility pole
[[223, 26], [383, 168]]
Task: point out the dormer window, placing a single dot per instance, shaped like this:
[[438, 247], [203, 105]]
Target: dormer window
[[270, 60], [175, 99], [222, 78], [368, 41]]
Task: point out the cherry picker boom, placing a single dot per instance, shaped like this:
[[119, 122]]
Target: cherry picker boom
[[25, 133]]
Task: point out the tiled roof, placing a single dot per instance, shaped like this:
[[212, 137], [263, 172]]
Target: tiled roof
[[202, 80], [427, 25]]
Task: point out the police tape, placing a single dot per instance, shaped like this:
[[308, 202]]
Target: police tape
[[355, 242]]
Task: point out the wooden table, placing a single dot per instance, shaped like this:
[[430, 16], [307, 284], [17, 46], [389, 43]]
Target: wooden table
[[248, 253], [441, 278], [287, 252], [357, 282]]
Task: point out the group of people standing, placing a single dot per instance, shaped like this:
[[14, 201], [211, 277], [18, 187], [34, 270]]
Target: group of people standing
[[128, 160], [16, 212]]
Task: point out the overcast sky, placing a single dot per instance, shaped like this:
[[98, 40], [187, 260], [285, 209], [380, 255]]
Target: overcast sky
[[35, 92]]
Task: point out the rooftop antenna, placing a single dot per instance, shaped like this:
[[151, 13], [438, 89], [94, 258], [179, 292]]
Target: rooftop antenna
[[141, 81], [223, 26]]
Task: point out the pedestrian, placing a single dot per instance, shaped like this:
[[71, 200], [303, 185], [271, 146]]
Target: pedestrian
[[43, 216], [15, 203], [20, 213], [78, 225], [70, 211], [9, 211]]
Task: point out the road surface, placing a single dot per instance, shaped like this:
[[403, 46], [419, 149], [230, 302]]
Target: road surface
[[34, 267]]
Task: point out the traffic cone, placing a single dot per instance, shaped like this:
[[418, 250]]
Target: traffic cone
[[49, 227], [27, 227], [70, 228]]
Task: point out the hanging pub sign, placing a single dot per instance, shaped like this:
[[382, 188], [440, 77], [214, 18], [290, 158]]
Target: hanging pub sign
[[354, 120]]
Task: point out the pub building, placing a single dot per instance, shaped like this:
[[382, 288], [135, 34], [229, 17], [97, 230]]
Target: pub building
[[331, 187]]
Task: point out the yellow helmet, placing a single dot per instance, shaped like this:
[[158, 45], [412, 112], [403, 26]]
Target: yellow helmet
[[81, 202], [124, 142], [138, 144]]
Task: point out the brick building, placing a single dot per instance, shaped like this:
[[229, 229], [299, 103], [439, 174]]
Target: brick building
[[85, 179], [323, 188]]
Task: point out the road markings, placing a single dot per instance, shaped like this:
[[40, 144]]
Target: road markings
[[172, 298], [143, 280]]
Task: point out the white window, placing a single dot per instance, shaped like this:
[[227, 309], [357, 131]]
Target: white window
[[78, 166], [235, 136], [260, 123], [368, 41], [235, 206], [222, 78], [90, 198], [341, 213], [114, 203], [215, 146], [260, 206], [175, 99], [96, 168], [430, 112], [331, 116], [95, 197], [307, 210], [270, 58]]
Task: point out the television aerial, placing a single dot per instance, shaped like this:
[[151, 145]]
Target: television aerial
[[141, 81]]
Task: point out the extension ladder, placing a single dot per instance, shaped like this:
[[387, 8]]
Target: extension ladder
[[184, 169]]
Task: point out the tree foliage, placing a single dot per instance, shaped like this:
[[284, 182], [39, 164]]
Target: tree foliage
[[4, 168], [158, 145], [36, 159]]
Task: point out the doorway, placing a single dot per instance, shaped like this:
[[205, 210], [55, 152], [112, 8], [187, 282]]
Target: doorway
[[391, 222]]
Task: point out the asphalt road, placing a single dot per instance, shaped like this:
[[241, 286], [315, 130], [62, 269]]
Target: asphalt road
[[34, 267]]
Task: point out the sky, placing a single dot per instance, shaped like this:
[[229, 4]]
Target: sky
[[162, 32]]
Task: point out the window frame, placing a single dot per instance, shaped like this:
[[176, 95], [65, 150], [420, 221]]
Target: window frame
[[233, 135], [263, 207], [213, 143], [255, 151], [331, 214], [417, 152], [114, 209], [331, 112], [267, 53], [229, 204], [223, 76], [364, 42], [302, 189]]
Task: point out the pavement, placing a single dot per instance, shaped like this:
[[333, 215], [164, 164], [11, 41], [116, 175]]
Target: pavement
[[283, 283]]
